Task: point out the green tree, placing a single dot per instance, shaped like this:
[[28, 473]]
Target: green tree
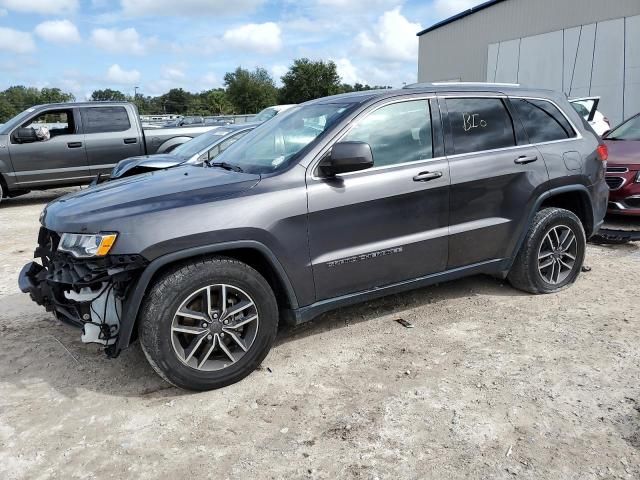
[[250, 92], [307, 79], [176, 100], [107, 95], [215, 102]]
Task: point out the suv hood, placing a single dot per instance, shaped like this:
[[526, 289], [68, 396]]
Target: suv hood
[[623, 152], [127, 167], [105, 207]]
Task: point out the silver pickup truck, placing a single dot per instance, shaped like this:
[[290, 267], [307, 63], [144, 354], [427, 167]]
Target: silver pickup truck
[[67, 144]]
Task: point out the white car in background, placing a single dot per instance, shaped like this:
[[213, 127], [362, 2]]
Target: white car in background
[[588, 108]]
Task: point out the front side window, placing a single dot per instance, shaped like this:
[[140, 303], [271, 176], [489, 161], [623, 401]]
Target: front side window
[[277, 143], [105, 119], [629, 130], [59, 122], [397, 133], [542, 121], [479, 124]]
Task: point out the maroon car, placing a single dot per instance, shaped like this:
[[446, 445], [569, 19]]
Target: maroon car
[[623, 168]]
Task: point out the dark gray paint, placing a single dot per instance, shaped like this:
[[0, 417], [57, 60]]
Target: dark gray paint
[[470, 220]]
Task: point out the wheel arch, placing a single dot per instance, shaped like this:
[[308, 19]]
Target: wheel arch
[[254, 254], [172, 143], [574, 198]]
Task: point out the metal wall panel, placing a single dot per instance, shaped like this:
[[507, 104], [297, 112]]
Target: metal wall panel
[[570, 47], [507, 63], [492, 62], [541, 60], [607, 75], [632, 67]]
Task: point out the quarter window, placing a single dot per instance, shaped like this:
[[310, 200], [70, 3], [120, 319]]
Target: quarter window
[[105, 119], [479, 124], [542, 121], [397, 133]]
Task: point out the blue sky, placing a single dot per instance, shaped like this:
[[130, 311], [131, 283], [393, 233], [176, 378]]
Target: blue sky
[[82, 45]]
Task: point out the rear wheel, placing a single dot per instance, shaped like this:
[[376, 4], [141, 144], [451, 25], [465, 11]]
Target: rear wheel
[[552, 254], [208, 324]]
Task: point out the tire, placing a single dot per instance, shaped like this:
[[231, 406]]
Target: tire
[[188, 288], [531, 271]]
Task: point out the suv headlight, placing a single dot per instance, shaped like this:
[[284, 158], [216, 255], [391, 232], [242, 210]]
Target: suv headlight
[[86, 246], [637, 180]]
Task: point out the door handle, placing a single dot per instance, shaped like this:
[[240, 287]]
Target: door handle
[[524, 159], [426, 176], [130, 140], [74, 144]]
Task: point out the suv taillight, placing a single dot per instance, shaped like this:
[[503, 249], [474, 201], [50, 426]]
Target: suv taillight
[[603, 152]]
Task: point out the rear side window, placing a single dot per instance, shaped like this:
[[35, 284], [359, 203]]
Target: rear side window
[[479, 124], [105, 119], [397, 133], [542, 121]]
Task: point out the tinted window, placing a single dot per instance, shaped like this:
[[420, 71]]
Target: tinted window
[[479, 124], [542, 120], [397, 133], [105, 119]]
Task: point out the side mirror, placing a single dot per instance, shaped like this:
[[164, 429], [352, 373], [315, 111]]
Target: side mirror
[[346, 157], [25, 135]]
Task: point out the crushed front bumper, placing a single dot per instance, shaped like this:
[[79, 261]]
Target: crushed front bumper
[[87, 293]]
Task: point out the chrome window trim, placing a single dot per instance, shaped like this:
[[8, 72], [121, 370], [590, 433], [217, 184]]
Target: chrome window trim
[[389, 101]]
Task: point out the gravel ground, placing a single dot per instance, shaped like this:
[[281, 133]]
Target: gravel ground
[[490, 384]]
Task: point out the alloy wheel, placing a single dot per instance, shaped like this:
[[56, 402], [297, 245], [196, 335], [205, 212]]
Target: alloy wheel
[[214, 327], [557, 254]]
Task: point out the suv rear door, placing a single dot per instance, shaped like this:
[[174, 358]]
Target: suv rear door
[[61, 160], [495, 177], [389, 223], [110, 136]]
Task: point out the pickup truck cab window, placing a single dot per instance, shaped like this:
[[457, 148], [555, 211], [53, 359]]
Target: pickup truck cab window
[[479, 124], [59, 122], [105, 119], [397, 133], [542, 121]]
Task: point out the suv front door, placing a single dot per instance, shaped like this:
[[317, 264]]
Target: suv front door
[[59, 160], [495, 176], [387, 224]]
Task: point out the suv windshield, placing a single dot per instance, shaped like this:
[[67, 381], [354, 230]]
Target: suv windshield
[[274, 144], [199, 143], [629, 130]]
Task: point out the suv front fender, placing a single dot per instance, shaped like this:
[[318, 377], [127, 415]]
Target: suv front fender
[[135, 297]]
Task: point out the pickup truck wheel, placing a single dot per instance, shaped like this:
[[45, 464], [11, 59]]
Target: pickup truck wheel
[[208, 324], [552, 255]]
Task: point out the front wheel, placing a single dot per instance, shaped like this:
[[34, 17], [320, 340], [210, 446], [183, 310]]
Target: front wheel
[[552, 254], [208, 324]]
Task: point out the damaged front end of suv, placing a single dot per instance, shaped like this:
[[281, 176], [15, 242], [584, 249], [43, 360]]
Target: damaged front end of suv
[[81, 283]]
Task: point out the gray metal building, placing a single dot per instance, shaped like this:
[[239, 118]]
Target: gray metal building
[[580, 47]]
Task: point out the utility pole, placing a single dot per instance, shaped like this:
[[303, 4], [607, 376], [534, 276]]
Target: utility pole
[[135, 97]]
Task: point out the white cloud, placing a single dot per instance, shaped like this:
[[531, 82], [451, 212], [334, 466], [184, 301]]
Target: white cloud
[[16, 41], [118, 41], [393, 39], [43, 7], [358, 5], [258, 37], [194, 8], [173, 73], [347, 71], [58, 31], [116, 74], [447, 8]]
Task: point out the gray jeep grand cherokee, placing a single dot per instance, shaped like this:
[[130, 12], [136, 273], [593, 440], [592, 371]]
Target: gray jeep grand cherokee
[[339, 200]]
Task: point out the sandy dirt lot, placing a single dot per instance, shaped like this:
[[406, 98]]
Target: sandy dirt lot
[[490, 384]]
